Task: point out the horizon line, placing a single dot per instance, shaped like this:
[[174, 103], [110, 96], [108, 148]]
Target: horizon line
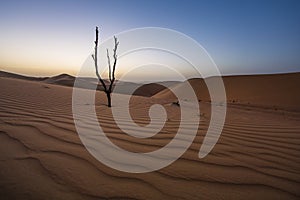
[[133, 81]]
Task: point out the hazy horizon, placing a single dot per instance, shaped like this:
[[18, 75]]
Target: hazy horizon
[[142, 81]]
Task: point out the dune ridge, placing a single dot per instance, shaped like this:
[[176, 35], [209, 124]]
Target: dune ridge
[[275, 91]]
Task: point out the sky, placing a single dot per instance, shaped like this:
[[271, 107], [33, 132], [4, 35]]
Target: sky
[[44, 38]]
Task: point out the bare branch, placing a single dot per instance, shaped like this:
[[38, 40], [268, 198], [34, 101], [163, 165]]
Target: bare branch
[[109, 66], [115, 62], [96, 61]]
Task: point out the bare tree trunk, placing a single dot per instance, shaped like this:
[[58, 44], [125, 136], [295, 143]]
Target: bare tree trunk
[[108, 95]]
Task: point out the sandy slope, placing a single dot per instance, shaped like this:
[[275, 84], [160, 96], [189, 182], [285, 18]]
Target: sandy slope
[[277, 91], [41, 156]]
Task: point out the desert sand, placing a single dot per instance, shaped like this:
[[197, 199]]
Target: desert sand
[[256, 157]]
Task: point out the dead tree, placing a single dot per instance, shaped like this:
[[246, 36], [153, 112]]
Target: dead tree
[[108, 89]]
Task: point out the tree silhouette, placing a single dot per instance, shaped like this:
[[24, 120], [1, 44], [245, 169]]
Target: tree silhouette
[[108, 89]]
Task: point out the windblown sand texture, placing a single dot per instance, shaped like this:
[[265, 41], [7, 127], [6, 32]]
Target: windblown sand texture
[[256, 157]]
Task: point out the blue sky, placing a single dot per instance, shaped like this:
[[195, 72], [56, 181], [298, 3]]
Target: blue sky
[[51, 37]]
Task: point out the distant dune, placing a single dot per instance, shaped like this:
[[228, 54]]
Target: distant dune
[[277, 91], [17, 76], [146, 90], [150, 89], [62, 79]]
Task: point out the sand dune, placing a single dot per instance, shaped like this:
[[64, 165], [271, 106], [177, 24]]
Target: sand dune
[[17, 76], [42, 157], [151, 89], [278, 91], [62, 79], [124, 87]]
